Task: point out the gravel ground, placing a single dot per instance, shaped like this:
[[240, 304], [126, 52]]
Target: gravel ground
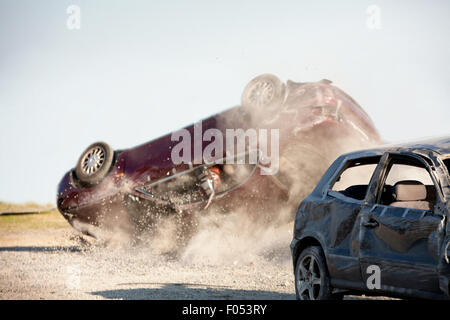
[[61, 264], [64, 266]]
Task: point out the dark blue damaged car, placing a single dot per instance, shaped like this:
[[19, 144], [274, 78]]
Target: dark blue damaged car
[[377, 224]]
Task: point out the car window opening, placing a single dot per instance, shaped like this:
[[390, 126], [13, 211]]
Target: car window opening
[[408, 185], [354, 180], [195, 185], [447, 164]]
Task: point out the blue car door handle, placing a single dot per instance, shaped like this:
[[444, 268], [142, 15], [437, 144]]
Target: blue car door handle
[[370, 223]]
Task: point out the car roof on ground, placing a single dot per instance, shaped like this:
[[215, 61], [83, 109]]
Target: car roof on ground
[[438, 145]]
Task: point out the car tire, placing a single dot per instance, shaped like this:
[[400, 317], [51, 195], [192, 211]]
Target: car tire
[[312, 281], [94, 163], [265, 91]]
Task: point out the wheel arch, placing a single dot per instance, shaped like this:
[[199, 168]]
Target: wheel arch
[[305, 242]]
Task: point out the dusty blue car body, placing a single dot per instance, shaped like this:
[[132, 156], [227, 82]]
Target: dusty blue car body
[[411, 246]]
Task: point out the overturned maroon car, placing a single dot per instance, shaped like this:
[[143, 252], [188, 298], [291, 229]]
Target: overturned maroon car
[[271, 149]]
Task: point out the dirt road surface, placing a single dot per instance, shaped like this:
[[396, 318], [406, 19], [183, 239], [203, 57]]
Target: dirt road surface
[[61, 264]]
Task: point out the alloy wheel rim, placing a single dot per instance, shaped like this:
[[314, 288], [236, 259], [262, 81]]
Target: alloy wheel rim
[[93, 160], [262, 93], [308, 278]]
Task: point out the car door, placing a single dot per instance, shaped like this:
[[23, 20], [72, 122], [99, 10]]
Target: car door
[[343, 201], [403, 242]]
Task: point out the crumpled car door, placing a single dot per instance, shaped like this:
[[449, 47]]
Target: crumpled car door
[[404, 244]]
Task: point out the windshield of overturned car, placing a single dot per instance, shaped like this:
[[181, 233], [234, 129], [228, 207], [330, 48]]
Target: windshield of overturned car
[[353, 181]]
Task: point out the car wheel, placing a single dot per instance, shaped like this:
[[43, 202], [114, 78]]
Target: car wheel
[[94, 163], [265, 91], [312, 281]]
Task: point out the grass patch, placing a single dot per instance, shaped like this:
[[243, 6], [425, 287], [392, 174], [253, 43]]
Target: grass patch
[[45, 220], [23, 207]]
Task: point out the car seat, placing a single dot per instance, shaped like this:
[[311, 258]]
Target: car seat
[[410, 194]]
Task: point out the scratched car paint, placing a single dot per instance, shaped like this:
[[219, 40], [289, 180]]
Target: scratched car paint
[[393, 217]]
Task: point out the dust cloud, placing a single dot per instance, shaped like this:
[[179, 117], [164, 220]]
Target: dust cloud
[[242, 237], [256, 228]]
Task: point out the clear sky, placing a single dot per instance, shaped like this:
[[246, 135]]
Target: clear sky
[[138, 69]]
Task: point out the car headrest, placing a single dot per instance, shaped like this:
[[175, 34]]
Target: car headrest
[[409, 190]]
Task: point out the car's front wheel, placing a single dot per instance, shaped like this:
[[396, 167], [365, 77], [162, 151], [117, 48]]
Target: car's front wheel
[[312, 281], [94, 163]]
